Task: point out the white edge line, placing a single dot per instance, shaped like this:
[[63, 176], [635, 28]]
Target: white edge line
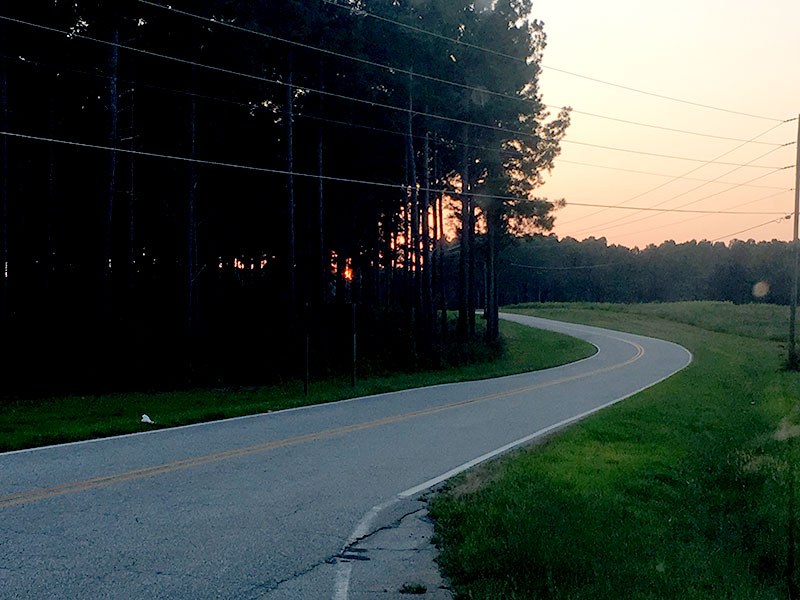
[[341, 589], [344, 568], [489, 455], [307, 407], [341, 581]]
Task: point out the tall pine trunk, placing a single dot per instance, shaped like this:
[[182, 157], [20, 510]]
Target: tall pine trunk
[[392, 260], [427, 291], [440, 250], [129, 129], [52, 212], [110, 168], [408, 296], [3, 183], [464, 291], [492, 319], [132, 196], [472, 286], [290, 205], [322, 283], [413, 241], [191, 219]]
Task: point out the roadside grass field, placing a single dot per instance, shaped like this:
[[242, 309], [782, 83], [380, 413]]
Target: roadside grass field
[[38, 422], [685, 490], [762, 321]]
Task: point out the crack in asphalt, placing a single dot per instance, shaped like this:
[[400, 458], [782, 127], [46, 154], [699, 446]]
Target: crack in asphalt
[[263, 590], [268, 588], [393, 525]]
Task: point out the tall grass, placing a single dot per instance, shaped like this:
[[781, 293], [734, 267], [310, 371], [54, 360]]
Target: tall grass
[[682, 491], [762, 321]]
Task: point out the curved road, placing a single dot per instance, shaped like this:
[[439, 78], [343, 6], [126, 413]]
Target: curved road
[[266, 506]]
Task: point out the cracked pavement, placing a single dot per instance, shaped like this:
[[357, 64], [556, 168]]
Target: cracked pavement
[[260, 507], [397, 555]]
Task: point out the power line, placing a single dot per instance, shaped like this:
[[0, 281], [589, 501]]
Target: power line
[[359, 100], [684, 221], [675, 210], [250, 106], [394, 186], [662, 96], [394, 70], [664, 128], [256, 106], [677, 177], [686, 158], [784, 218], [572, 268], [606, 225], [624, 170], [30, 62], [361, 11], [732, 187]]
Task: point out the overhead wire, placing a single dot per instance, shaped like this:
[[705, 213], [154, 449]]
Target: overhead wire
[[414, 74], [684, 158], [570, 268], [651, 173], [722, 237], [251, 106], [611, 225], [361, 11], [695, 218], [597, 80], [674, 210], [395, 186], [683, 175], [357, 100]]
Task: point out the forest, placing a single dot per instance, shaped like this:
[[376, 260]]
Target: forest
[[207, 192], [191, 191], [545, 269]]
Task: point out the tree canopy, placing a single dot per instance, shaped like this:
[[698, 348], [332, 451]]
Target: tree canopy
[[193, 186]]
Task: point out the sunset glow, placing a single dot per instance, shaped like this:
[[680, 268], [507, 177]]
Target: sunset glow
[[736, 55]]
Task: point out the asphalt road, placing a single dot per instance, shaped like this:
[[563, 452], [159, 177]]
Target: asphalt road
[[266, 506]]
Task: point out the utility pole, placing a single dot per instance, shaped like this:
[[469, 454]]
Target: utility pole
[[792, 359]]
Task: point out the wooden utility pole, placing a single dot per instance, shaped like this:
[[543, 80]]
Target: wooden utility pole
[[792, 359]]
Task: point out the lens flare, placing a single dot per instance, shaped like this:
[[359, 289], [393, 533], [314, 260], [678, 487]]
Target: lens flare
[[761, 289]]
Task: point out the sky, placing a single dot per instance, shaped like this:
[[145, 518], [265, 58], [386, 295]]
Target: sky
[[734, 54]]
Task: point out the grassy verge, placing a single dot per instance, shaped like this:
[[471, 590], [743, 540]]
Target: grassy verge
[[29, 423], [682, 491], [762, 321]]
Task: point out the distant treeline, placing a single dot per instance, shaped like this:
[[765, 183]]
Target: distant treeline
[[544, 269]]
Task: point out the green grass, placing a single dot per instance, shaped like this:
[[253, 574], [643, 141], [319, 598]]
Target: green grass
[[29, 423], [763, 321], [682, 491]]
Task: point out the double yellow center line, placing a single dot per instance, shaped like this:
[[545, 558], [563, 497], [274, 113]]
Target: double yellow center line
[[87, 484]]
